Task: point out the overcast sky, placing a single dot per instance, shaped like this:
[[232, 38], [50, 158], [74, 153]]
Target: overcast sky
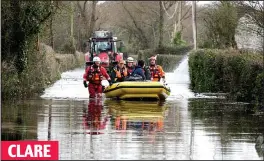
[[204, 2], [199, 2]]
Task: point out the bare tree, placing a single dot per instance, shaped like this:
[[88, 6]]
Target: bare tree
[[88, 21], [72, 36], [51, 30], [220, 21], [161, 25], [140, 24], [141, 34], [93, 19], [163, 8], [177, 17], [172, 16], [84, 16], [194, 24]]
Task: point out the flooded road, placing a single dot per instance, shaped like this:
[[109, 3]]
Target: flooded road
[[185, 126]]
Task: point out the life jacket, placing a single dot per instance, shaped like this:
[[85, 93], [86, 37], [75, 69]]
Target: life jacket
[[130, 70], [155, 74], [120, 73], [94, 75]]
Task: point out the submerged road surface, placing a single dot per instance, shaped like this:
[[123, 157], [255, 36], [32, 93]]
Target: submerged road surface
[[185, 126]]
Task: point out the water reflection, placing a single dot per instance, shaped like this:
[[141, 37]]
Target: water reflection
[[19, 120], [109, 129], [93, 120], [233, 125], [233, 117], [180, 128], [137, 116]]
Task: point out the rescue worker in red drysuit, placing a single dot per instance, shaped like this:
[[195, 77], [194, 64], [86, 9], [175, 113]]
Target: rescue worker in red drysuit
[[156, 71], [130, 65], [94, 75], [92, 119]]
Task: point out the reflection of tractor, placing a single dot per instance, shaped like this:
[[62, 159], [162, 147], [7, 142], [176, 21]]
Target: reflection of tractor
[[103, 45]]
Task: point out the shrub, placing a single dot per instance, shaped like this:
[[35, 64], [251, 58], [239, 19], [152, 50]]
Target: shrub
[[168, 62], [44, 68], [238, 73], [168, 58]]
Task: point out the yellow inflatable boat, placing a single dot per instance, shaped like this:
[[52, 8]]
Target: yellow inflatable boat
[[131, 89]]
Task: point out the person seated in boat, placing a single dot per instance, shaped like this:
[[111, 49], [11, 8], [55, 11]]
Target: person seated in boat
[[94, 75], [146, 69], [130, 65], [119, 72], [139, 70], [147, 72], [156, 71]]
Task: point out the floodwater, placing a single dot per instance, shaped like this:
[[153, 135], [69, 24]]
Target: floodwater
[[186, 126]]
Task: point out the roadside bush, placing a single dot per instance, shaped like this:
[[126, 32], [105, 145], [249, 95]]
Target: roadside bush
[[168, 62], [168, 57], [167, 50], [239, 73], [44, 68]]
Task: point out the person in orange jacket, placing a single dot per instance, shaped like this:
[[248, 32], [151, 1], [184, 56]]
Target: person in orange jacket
[[94, 75], [119, 72], [156, 71]]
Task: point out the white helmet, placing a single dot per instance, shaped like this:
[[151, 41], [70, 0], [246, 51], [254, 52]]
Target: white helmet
[[130, 60], [96, 59]]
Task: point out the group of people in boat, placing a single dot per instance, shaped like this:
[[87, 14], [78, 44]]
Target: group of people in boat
[[127, 70]]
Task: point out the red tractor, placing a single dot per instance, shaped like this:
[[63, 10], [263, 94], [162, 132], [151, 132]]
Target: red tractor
[[103, 45]]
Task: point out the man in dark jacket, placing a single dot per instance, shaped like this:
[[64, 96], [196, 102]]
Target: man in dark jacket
[[147, 72], [139, 70]]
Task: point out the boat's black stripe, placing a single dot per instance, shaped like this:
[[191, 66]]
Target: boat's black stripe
[[109, 90]]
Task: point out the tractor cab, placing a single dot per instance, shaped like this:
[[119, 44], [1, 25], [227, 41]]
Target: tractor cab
[[103, 45]]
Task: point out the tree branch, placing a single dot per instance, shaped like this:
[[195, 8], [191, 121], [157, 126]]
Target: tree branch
[[84, 6], [134, 22]]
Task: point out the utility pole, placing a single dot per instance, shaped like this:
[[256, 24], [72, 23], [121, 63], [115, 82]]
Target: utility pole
[[72, 36], [194, 24], [161, 25], [179, 17], [79, 32], [51, 29]]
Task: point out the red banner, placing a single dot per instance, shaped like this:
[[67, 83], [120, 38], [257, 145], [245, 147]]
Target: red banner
[[29, 150]]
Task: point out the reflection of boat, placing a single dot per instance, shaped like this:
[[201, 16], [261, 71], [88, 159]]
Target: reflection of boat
[[131, 89], [92, 118], [136, 115]]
